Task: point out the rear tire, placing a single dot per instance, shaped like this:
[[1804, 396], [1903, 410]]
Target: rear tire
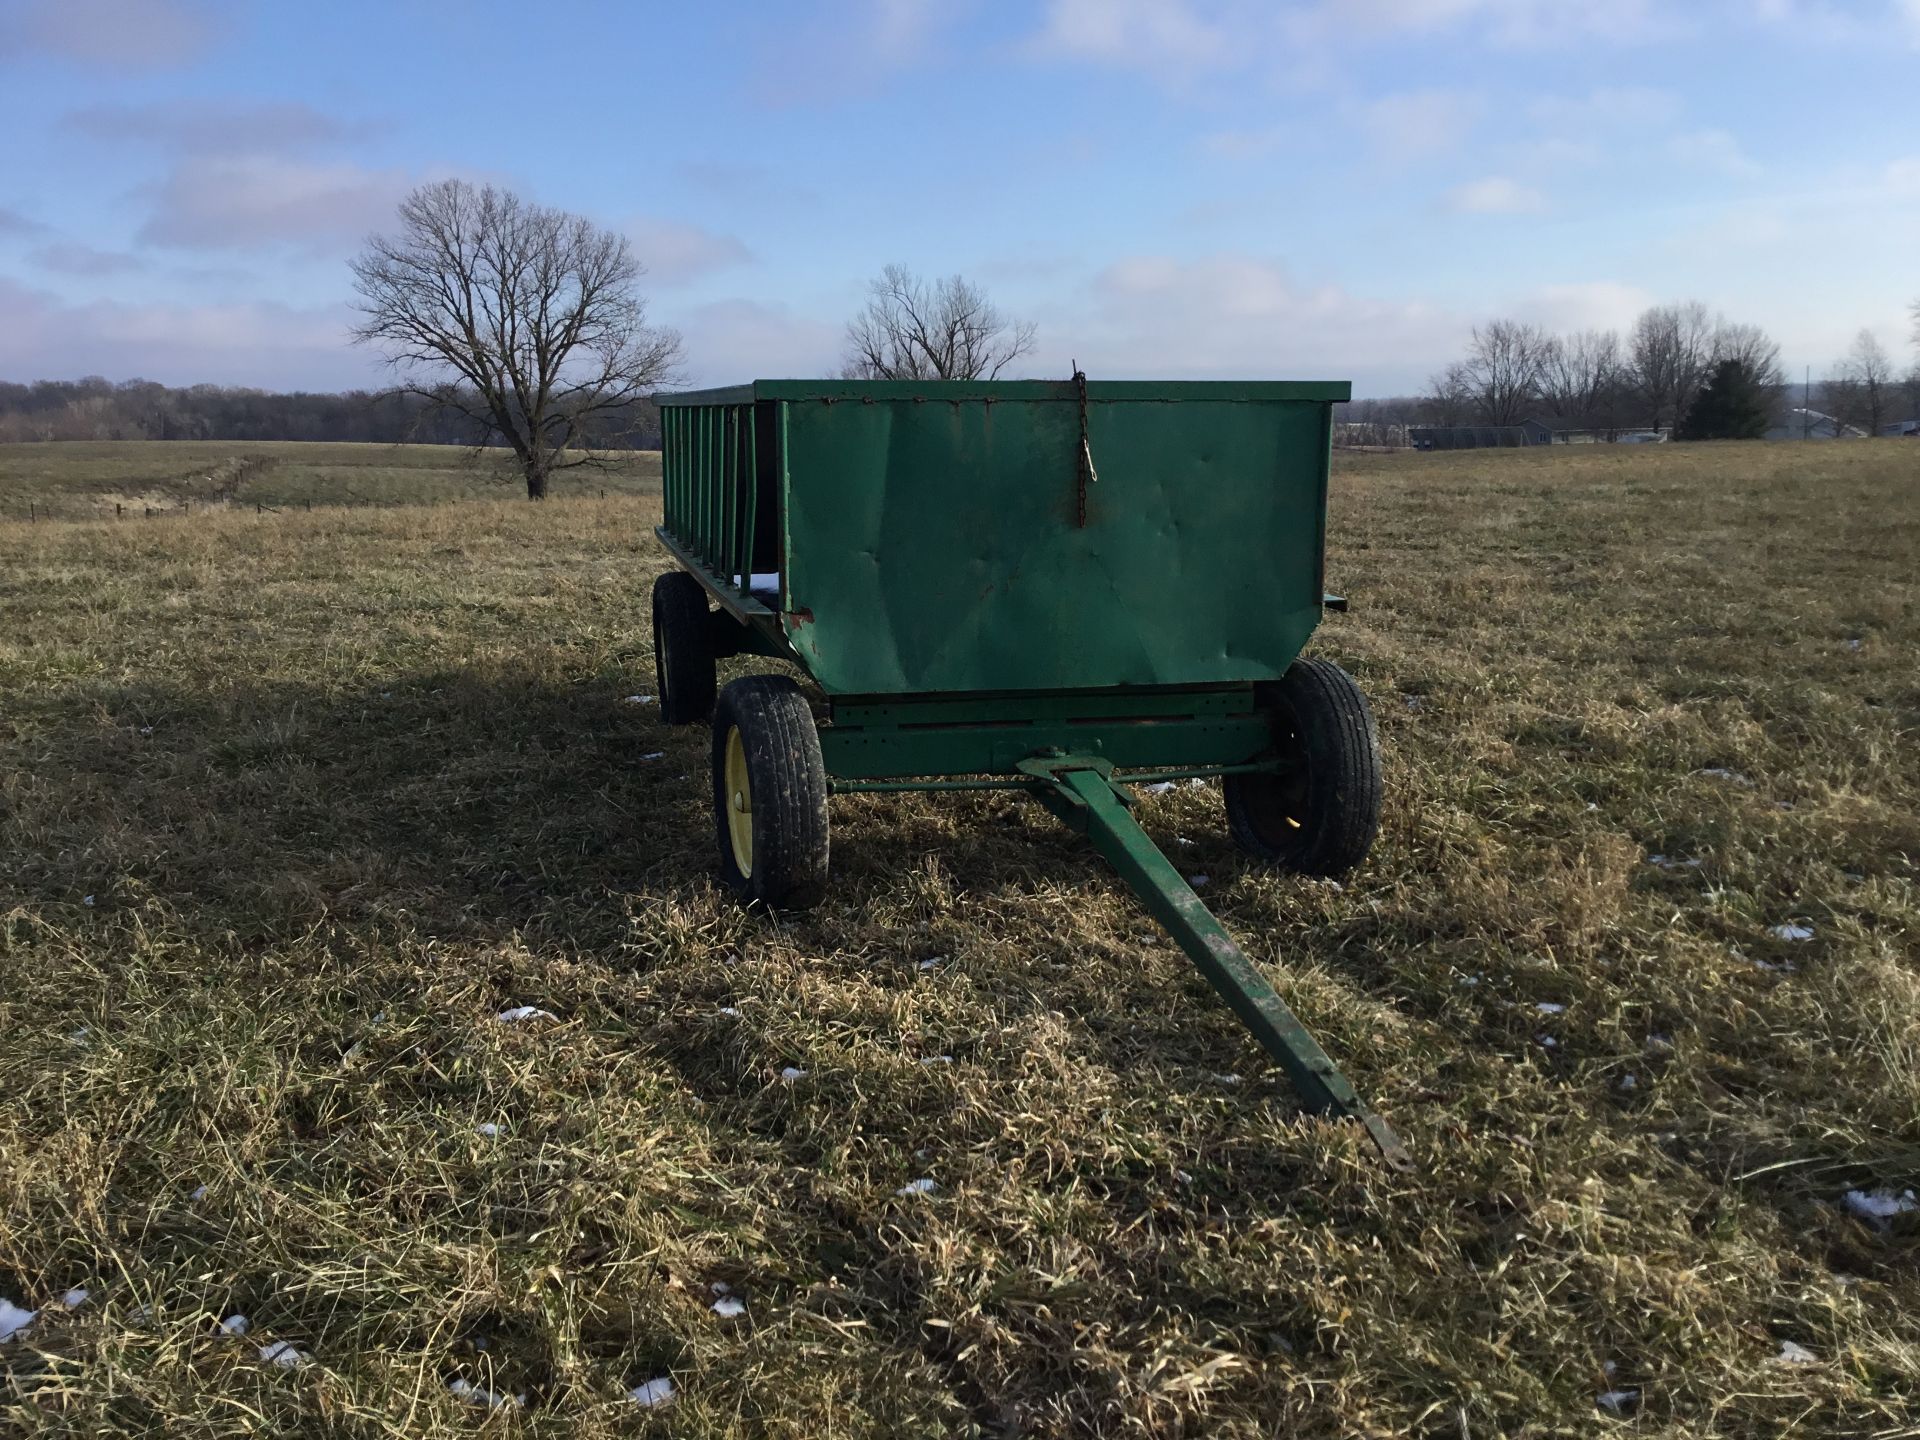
[[769, 794], [683, 661], [1321, 814]]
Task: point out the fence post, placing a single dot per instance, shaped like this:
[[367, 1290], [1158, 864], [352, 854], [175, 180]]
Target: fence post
[[116, 509]]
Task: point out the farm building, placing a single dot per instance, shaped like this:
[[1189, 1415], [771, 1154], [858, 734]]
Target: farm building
[[1804, 424], [1478, 437], [1902, 427]]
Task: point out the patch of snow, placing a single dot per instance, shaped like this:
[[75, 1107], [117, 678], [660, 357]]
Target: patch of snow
[[936, 1059], [526, 1012], [720, 1287], [930, 962], [639, 699], [488, 1129], [1854, 643], [1414, 702], [917, 1187], [1672, 864], [1223, 1077], [654, 755], [1183, 840], [1784, 967], [728, 1308], [13, 1319], [1660, 1044], [652, 1392], [1197, 881], [1196, 783], [87, 900], [729, 1010], [1551, 1007], [1592, 806], [1616, 1400], [1792, 1354], [75, 1297], [146, 729], [1720, 772], [479, 1395], [1879, 1204], [235, 1325], [1471, 980], [282, 1353], [199, 1193], [1791, 931], [1158, 787], [1629, 1081], [81, 1036], [1546, 1042], [792, 1073], [1183, 1177]]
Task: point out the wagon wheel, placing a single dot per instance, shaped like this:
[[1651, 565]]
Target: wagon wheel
[[1320, 814], [770, 793], [683, 661]]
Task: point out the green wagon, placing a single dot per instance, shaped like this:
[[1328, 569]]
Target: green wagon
[[1062, 587]]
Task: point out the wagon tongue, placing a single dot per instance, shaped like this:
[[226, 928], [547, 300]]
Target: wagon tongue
[[1080, 790]]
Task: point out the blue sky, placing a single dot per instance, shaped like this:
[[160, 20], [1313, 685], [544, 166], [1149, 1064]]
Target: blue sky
[[1294, 188]]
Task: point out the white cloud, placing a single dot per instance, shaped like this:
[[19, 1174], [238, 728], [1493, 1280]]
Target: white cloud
[[222, 127], [824, 51], [1713, 150], [70, 257], [1237, 316], [253, 343], [1607, 107], [1589, 305], [249, 202], [12, 222], [125, 34], [675, 252], [1495, 195], [731, 341], [1154, 35], [1419, 123]]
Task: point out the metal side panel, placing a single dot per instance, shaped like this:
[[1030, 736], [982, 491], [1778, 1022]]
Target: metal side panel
[[942, 545]]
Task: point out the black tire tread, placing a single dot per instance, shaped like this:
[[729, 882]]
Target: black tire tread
[[684, 668], [1329, 717], [789, 778]]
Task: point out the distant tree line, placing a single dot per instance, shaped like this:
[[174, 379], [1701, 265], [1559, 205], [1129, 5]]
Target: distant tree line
[[1654, 377], [94, 408]]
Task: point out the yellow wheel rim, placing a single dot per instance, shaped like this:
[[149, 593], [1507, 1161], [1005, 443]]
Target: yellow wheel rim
[[739, 803]]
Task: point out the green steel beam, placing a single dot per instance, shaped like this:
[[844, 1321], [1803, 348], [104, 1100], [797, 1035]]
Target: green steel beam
[[1186, 742], [1082, 794], [737, 603], [1098, 391]]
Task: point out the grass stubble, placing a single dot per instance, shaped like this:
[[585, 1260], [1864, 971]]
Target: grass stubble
[[293, 806]]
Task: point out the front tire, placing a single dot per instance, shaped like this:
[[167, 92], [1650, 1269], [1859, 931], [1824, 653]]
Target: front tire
[[769, 794], [1319, 815], [683, 661]]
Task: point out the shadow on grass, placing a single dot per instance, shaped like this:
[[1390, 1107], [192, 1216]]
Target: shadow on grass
[[474, 804]]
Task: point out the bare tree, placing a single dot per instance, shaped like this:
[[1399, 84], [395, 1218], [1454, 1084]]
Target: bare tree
[[1670, 351], [1449, 400], [1579, 377], [1504, 370], [1753, 348], [1866, 383], [524, 319], [914, 329]]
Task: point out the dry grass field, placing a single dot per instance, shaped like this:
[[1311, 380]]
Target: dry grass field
[[293, 807], [85, 480]]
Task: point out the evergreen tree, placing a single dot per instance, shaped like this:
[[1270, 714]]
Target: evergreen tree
[[1733, 405]]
